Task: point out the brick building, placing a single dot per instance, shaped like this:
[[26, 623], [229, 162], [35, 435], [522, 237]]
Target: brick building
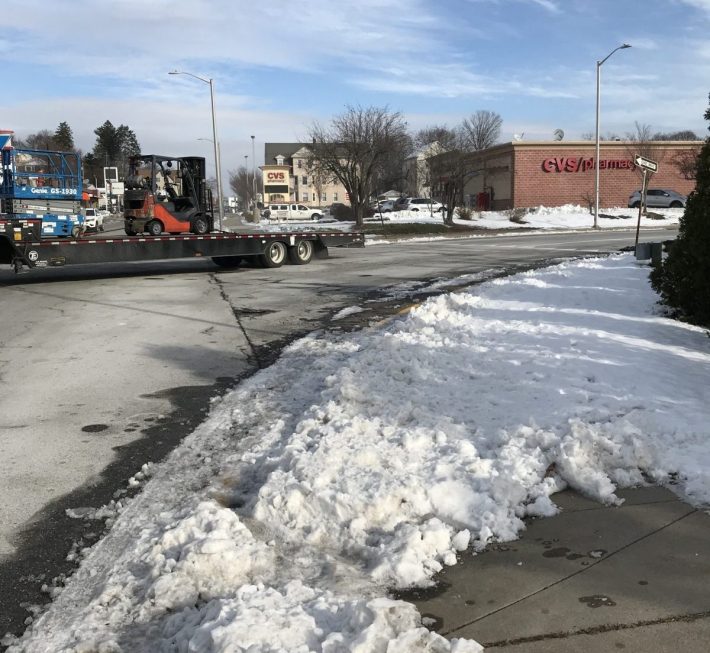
[[553, 173], [287, 178]]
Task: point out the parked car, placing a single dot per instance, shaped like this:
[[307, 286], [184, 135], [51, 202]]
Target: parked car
[[385, 206], [658, 198], [420, 204], [93, 220], [399, 202], [279, 212]]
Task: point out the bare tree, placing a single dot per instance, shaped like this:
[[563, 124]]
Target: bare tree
[[319, 180], [450, 171], [641, 141], [356, 150], [41, 140], [482, 129], [440, 134], [429, 141], [686, 162], [682, 135], [241, 183]]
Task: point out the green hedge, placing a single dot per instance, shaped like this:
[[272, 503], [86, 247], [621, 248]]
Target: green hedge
[[683, 279]]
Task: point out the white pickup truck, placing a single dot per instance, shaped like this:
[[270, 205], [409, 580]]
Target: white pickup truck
[[282, 212]]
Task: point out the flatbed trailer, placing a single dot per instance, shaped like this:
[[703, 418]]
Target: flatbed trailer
[[21, 246]]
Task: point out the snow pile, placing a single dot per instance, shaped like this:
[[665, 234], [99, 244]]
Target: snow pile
[[570, 216], [368, 461], [567, 217]]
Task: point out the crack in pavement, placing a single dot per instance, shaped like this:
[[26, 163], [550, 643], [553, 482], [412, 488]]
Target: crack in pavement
[[235, 311], [572, 575], [595, 630]]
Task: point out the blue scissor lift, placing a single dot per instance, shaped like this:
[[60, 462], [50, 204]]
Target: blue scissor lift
[[42, 184]]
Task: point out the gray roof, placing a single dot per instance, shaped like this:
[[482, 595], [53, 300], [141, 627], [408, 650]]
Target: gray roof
[[287, 150]]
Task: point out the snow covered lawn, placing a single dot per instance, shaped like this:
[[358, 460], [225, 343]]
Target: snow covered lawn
[[367, 461], [570, 217]]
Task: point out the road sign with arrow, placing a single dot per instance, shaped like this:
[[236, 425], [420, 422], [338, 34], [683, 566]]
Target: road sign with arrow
[[646, 164]]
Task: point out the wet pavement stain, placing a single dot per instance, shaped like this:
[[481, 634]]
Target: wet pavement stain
[[421, 593], [431, 621], [94, 428], [42, 546], [597, 601], [557, 552], [564, 552]]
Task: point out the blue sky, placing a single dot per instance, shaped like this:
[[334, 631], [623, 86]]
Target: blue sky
[[280, 66]]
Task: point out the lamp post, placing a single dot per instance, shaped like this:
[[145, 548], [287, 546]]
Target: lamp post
[[253, 173], [217, 164], [246, 169], [219, 150], [596, 137]]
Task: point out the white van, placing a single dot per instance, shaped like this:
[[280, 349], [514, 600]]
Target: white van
[[282, 212]]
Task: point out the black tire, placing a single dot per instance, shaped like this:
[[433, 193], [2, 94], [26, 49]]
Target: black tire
[[316, 216], [274, 255], [101, 228], [130, 232], [302, 253], [635, 205], [200, 225], [676, 205], [154, 228], [75, 231], [227, 261]]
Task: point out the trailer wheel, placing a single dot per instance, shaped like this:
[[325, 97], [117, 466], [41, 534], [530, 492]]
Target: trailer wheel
[[200, 226], [274, 255], [302, 253], [154, 228], [227, 261]]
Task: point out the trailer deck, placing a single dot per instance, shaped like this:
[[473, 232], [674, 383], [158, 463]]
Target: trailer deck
[[21, 246]]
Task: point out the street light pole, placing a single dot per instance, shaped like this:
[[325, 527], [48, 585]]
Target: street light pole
[[596, 137], [253, 167], [246, 169], [217, 163]]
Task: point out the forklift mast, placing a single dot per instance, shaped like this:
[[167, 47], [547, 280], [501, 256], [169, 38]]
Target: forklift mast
[[143, 180]]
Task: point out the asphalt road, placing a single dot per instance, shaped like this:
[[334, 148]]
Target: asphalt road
[[104, 368]]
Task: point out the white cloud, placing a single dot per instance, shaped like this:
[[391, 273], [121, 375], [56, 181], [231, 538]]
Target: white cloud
[[547, 4], [704, 5], [404, 51], [174, 131]]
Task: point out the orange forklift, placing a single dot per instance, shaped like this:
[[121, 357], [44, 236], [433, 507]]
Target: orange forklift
[[167, 194]]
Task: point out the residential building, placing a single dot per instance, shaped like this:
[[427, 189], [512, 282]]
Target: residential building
[[287, 177], [417, 174]]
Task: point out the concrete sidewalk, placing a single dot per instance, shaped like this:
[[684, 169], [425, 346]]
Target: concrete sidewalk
[[592, 579]]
